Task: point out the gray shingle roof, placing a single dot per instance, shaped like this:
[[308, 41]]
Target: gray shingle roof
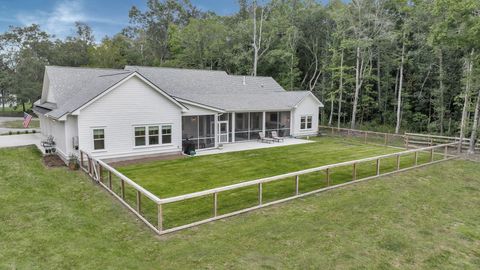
[[74, 87], [220, 90]]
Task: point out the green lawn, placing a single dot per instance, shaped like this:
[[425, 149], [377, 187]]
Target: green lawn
[[35, 123], [182, 176], [423, 219]]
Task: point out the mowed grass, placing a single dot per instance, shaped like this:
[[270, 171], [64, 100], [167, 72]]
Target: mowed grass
[[18, 124], [422, 219], [182, 176]]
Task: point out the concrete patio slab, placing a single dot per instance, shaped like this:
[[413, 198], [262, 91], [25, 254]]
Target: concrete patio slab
[[250, 145]]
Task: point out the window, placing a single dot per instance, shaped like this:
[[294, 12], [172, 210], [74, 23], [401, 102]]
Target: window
[[98, 139], [140, 136], [306, 122], [150, 135], [166, 134], [153, 135]]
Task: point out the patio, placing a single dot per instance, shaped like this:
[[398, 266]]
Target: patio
[[250, 145]]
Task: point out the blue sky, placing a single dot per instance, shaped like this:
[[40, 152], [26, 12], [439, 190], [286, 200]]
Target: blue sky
[[106, 17]]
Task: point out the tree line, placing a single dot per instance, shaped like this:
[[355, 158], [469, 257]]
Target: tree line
[[397, 64]]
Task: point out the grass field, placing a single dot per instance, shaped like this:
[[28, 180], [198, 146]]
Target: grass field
[[182, 176], [18, 124], [423, 219]]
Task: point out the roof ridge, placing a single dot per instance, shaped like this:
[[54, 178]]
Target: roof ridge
[[177, 68], [92, 68]]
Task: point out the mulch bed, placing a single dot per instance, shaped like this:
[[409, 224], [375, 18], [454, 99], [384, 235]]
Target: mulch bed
[[53, 161]]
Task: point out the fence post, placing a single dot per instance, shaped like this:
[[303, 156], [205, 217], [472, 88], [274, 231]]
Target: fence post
[[365, 137], [260, 195], [406, 141], [139, 201], [431, 155], [327, 171], [215, 203], [354, 172], [378, 166], [398, 162], [110, 179], [100, 173], [386, 139], [81, 160], [122, 188], [160, 217], [296, 184], [416, 158], [445, 154]]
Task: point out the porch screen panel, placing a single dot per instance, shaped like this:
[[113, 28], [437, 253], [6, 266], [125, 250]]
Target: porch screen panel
[[284, 124], [206, 131], [241, 127], [279, 122], [271, 122], [200, 130], [256, 125]]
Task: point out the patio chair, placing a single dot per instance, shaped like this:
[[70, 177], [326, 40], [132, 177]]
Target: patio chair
[[265, 139], [276, 138]]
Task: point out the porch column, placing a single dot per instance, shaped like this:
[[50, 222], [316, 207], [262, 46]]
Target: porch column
[[233, 127], [216, 130], [292, 125], [264, 122]]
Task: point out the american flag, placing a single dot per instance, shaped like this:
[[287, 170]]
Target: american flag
[[26, 119]]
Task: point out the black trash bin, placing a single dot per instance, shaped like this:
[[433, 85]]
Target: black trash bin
[[188, 147]]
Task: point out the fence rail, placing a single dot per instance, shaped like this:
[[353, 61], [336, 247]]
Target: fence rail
[[366, 136], [104, 174], [422, 140]]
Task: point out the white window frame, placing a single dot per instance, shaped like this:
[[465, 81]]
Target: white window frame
[[167, 134], [147, 135], [307, 117], [104, 139]]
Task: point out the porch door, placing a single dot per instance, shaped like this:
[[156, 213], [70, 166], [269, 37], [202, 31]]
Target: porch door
[[223, 131]]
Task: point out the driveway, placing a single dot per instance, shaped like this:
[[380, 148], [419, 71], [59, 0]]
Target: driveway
[[20, 140], [4, 130]]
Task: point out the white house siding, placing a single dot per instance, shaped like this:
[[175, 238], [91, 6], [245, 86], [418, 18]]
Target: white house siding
[[130, 104], [71, 131], [50, 127], [308, 106]]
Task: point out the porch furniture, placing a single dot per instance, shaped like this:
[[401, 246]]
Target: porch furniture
[[265, 139], [276, 138], [49, 145]]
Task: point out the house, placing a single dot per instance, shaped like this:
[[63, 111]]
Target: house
[[138, 111], [10, 100]]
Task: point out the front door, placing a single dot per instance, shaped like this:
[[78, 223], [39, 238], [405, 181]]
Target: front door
[[223, 132]]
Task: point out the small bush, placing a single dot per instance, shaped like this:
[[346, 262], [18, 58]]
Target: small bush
[[34, 131], [26, 131], [10, 133], [18, 132]]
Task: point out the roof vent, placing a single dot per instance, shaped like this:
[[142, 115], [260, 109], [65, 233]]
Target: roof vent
[[244, 80]]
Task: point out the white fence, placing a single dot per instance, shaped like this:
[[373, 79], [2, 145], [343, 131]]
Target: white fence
[[103, 174]]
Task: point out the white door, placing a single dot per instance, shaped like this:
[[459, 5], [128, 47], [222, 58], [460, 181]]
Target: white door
[[223, 132]]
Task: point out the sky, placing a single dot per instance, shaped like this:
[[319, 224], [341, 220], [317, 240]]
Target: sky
[[106, 17]]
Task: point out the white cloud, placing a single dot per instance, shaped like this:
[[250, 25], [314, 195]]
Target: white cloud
[[61, 20]]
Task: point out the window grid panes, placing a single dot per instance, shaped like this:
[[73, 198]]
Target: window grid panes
[[153, 135], [166, 134], [98, 139], [140, 135]]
